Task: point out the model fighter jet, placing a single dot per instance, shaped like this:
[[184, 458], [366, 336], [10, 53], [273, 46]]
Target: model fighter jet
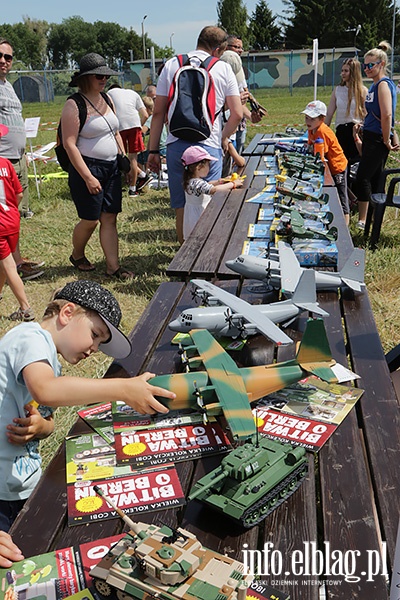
[[286, 272], [230, 316], [225, 388]]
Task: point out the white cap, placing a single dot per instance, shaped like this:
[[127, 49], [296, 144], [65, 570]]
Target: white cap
[[315, 109]]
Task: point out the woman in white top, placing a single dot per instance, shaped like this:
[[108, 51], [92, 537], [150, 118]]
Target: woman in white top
[[93, 177], [348, 101]]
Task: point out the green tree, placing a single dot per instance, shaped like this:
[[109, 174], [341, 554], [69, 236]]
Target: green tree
[[232, 16], [70, 40], [334, 23], [264, 34], [29, 42]]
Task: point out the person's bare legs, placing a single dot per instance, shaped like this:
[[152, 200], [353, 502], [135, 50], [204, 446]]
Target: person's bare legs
[[9, 273], [179, 224], [109, 241], [80, 237], [134, 169], [362, 211], [17, 255]]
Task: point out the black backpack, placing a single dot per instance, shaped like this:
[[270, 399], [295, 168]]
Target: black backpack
[[61, 153], [192, 100]]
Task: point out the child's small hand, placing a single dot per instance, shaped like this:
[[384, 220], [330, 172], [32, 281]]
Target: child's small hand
[[238, 182], [28, 428], [143, 395], [9, 552]]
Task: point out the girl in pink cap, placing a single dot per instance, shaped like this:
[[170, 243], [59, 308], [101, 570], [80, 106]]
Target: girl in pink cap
[[198, 192]]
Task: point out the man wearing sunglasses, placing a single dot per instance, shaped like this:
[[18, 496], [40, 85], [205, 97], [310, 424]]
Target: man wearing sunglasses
[[235, 44], [13, 148]]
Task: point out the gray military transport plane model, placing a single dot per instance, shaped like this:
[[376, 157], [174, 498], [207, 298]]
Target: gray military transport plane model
[[233, 317], [286, 273]]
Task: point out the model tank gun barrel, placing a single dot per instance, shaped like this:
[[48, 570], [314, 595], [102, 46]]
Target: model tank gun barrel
[[131, 524], [197, 491]]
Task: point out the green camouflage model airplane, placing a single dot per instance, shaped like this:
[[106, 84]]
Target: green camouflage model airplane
[[224, 388], [294, 226]]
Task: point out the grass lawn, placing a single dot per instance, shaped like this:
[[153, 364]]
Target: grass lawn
[[147, 243]]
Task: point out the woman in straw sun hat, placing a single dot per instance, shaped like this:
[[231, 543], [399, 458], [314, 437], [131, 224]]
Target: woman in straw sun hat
[[94, 179]]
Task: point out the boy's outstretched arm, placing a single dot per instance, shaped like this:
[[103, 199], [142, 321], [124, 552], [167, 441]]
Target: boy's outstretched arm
[[76, 391], [9, 552], [32, 426]]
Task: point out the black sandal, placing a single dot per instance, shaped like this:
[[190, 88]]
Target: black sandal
[[78, 263], [122, 274]]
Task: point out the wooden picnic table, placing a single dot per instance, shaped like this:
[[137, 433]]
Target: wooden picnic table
[[349, 501]]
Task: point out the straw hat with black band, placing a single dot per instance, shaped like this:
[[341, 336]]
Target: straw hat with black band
[[91, 64]]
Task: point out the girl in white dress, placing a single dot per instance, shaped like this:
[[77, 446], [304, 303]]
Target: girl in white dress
[[198, 192]]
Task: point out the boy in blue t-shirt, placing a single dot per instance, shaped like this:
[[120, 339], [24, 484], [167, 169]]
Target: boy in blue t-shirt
[[82, 318]]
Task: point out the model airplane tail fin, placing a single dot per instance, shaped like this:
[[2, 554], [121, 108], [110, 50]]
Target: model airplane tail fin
[[314, 354], [290, 268], [305, 294], [352, 273]]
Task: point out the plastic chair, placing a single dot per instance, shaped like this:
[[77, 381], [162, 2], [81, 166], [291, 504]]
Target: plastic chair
[[378, 204], [393, 362]]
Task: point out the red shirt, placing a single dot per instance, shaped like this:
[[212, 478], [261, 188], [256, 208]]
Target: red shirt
[[10, 186], [332, 149]]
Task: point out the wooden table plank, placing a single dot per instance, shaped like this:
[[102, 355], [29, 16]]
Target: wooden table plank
[[346, 498], [379, 412], [182, 263]]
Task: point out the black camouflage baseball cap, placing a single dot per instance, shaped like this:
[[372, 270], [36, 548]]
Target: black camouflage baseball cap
[[93, 296]]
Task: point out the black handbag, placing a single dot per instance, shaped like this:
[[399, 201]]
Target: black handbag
[[124, 164]]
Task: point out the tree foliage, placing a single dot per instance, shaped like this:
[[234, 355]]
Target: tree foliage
[[232, 16], [334, 23], [264, 34], [38, 44]]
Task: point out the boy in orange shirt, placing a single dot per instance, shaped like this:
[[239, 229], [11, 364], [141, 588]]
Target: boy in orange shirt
[[315, 113]]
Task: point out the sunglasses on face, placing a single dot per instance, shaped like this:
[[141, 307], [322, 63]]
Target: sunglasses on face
[[101, 77], [371, 65], [233, 46], [7, 57]]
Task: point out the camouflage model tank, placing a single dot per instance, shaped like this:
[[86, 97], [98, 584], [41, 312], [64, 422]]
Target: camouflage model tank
[[168, 564], [253, 480]]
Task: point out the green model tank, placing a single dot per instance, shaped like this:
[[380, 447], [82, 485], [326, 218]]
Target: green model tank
[[168, 564], [252, 480]]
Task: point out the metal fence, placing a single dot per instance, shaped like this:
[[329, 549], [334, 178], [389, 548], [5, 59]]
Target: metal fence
[[290, 70]]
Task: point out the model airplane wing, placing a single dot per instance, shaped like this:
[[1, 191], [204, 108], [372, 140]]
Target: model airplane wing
[[228, 383], [290, 268], [248, 312]]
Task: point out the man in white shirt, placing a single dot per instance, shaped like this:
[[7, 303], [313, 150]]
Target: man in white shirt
[[12, 147], [132, 114], [211, 41]]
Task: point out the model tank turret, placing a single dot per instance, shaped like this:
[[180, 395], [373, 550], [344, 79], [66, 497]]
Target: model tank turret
[[253, 480], [167, 564]]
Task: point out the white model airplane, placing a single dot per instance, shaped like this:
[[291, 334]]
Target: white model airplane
[[238, 318], [285, 273], [40, 153]]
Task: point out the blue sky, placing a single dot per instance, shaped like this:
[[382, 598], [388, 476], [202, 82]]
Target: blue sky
[[178, 20]]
